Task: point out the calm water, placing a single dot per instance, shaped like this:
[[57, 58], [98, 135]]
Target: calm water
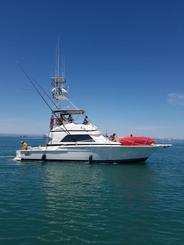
[[71, 203]]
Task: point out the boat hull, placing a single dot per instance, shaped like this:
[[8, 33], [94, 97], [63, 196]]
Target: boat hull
[[98, 153]]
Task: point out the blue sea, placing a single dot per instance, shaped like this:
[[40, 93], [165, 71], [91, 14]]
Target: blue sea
[[77, 203]]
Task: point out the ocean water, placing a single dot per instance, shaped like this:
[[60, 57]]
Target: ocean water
[[77, 203]]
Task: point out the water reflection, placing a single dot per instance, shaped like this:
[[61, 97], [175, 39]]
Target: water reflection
[[92, 199]]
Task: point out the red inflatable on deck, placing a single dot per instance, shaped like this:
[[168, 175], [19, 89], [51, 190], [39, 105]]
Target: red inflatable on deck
[[136, 140]]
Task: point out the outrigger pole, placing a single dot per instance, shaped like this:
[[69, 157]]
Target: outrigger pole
[[34, 86], [38, 91]]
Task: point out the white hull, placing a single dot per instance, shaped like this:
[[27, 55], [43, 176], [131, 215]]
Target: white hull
[[96, 153]]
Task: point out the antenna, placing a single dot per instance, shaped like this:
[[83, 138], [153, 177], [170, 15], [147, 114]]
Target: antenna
[[58, 58], [64, 67], [60, 63], [59, 88]]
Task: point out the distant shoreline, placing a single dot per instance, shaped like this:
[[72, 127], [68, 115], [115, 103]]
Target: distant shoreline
[[22, 135], [45, 136]]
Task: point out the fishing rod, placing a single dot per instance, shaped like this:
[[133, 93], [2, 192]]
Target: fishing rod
[[43, 90], [38, 85], [34, 86], [38, 91]]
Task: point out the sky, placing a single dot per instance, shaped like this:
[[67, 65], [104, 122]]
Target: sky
[[124, 63]]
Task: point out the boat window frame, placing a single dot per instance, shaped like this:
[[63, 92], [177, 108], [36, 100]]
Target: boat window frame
[[77, 138]]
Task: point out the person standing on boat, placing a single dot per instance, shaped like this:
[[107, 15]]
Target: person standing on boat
[[24, 145], [52, 121], [86, 120], [70, 119], [60, 120], [113, 137]]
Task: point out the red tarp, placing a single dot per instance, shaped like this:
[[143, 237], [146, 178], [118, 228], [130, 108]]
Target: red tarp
[[136, 140]]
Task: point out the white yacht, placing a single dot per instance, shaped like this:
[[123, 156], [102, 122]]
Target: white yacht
[[73, 137]]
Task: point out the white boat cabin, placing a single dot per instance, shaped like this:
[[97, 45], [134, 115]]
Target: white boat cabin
[[73, 127]]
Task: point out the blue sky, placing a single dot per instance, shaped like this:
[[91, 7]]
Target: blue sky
[[124, 63]]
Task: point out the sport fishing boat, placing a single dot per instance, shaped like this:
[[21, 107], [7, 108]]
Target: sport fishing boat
[[73, 137]]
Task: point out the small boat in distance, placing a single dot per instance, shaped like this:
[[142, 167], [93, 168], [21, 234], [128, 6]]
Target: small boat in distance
[[73, 137]]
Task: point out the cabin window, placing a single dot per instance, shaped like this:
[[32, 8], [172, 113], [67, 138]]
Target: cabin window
[[77, 137]]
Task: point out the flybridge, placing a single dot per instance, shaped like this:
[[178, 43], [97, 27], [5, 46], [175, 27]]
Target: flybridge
[[69, 112]]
